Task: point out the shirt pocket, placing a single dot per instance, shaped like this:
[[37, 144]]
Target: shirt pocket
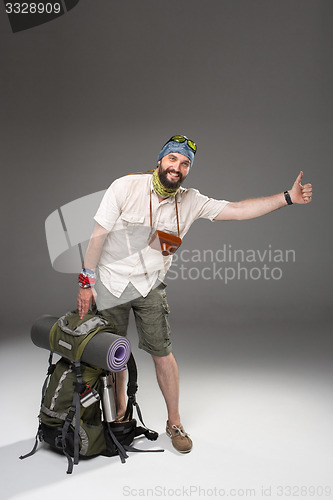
[[130, 218], [135, 228]]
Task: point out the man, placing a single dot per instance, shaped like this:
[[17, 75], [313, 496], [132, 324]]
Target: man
[[127, 268]]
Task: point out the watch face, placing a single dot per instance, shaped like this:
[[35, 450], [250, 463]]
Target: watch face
[[24, 15]]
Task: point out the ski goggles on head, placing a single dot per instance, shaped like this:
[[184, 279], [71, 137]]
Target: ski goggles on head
[[181, 139]]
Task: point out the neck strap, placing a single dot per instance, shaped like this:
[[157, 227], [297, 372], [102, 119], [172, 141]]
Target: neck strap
[[151, 213], [154, 172]]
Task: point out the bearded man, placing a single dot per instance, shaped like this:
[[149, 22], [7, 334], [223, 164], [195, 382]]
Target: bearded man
[[124, 269]]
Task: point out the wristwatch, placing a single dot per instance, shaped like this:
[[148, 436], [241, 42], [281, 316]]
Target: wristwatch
[[287, 197]]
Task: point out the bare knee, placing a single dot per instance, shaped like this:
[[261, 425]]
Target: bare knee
[[163, 360]]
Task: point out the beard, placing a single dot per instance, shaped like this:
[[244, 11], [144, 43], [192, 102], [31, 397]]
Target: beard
[[166, 182]]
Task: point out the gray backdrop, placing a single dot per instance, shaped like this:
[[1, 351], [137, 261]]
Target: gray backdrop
[[94, 95]]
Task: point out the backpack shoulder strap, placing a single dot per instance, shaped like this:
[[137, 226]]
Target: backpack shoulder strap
[[132, 388]]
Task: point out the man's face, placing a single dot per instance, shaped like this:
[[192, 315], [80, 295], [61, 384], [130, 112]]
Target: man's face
[[173, 170]]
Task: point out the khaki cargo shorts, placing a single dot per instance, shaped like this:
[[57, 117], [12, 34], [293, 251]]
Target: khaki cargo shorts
[[150, 313]]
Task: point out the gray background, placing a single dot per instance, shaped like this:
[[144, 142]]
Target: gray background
[[94, 95]]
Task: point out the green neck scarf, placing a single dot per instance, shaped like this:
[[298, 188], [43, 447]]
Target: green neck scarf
[[160, 189]]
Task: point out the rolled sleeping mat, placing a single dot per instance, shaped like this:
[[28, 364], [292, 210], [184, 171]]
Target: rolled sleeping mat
[[105, 350]]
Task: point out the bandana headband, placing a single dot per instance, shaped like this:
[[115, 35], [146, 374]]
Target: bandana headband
[[177, 147]]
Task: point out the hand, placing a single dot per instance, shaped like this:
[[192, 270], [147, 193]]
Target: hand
[[84, 297], [300, 194]]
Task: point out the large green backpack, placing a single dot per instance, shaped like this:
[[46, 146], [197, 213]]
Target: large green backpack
[[65, 423]]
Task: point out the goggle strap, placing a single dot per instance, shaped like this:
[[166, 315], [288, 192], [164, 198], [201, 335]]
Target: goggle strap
[[181, 139]]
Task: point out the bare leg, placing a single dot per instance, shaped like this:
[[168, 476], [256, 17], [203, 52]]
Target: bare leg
[[168, 381]]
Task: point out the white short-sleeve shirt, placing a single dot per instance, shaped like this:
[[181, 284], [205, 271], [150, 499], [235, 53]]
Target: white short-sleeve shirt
[[125, 212]]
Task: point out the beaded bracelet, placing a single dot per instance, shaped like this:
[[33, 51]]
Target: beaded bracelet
[[87, 278]]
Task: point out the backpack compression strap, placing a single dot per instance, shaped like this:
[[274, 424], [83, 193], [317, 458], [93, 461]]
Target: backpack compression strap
[[73, 412], [38, 435]]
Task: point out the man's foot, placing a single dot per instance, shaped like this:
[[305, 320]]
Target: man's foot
[[179, 438]]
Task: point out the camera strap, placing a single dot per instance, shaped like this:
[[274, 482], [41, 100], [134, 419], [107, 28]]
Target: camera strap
[[151, 207], [151, 214]]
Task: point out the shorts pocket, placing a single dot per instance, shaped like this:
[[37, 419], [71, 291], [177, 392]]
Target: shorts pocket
[[165, 302]]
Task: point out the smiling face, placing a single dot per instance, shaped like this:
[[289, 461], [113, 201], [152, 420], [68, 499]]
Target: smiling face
[[173, 170]]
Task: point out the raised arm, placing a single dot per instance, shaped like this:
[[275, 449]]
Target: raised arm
[[249, 209], [96, 242]]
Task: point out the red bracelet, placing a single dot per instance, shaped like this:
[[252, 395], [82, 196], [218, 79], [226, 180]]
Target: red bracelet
[[85, 281]]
